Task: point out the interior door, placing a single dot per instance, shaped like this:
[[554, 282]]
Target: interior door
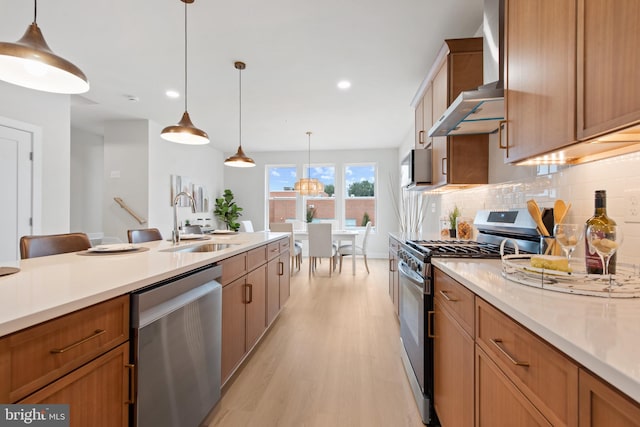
[[16, 189]]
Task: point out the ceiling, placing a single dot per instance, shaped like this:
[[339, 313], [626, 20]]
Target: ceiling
[[295, 50]]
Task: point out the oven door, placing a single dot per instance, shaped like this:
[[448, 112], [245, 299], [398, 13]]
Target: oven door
[[412, 319]]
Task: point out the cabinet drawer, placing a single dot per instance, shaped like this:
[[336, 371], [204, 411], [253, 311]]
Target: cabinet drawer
[[98, 393], [284, 244], [545, 376], [456, 298], [393, 244], [256, 257], [35, 357], [273, 250], [233, 267]]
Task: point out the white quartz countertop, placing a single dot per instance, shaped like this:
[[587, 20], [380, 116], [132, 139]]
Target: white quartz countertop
[[601, 334], [48, 287]]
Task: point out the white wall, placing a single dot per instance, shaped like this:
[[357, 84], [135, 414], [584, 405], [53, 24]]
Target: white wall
[[87, 159], [202, 164], [249, 186], [50, 112]]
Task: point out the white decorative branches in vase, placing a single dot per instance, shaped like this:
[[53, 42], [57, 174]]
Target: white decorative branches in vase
[[410, 208]]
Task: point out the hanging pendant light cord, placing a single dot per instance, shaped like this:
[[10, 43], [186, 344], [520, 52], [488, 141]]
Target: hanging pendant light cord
[[35, 11], [240, 107], [185, 56]]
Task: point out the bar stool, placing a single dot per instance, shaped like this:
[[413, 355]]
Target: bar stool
[[53, 244], [144, 235]]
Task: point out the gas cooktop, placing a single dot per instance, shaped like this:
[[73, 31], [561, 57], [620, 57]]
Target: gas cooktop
[[458, 248]]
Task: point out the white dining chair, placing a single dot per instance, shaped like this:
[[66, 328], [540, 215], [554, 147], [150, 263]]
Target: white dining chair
[[358, 250], [321, 245], [294, 247], [246, 226]]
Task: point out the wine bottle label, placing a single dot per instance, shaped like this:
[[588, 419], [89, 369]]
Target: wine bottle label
[[592, 259]]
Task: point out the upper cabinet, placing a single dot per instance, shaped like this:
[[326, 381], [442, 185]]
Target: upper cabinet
[[424, 118], [540, 97], [608, 64], [457, 160], [570, 79]]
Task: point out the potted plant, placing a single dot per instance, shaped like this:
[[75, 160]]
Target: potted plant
[[453, 217], [227, 210], [311, 212]]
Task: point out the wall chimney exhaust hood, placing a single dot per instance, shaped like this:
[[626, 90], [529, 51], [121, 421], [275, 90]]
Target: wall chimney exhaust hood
[[480, 111], [473, 112]]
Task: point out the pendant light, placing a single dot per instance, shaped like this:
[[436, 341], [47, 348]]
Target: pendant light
[[185, 132], [30, 63], [240, 160], [309, 186]]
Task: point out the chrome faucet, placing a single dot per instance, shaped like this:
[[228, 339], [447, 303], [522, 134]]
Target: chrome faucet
[[175, 235]]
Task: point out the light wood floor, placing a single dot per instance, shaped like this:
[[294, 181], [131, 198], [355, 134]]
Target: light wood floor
[[332, 358]]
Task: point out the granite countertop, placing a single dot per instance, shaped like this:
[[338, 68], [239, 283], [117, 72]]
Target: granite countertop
[[601, 334], [51, 286]]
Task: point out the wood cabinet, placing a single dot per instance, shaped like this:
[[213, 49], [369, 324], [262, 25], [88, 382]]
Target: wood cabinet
[[98, 393], [498, 401], [394, 274], [256, 305], [453, 352], [234, 326], [456, 160], [278, 278], [253, 291], [424, 118], [602, 406], [540, 58], [608, 64], [81, 359], [546, 377]]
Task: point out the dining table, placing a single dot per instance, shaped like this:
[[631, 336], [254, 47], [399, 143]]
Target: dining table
[[336, 235]]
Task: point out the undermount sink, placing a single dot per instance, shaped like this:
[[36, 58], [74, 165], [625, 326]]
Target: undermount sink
[[207, 247]]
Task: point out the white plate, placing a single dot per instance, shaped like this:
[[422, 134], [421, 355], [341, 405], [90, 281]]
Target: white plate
[[224, 232], [116, 247], [191, 236]]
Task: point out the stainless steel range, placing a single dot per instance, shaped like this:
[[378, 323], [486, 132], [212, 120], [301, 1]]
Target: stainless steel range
[[416, 289]]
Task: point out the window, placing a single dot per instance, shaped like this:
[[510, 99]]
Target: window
[[282, 198], [322, 208], [360, 195]]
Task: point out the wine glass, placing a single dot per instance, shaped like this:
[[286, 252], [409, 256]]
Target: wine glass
[[605, 239], [568, 236]]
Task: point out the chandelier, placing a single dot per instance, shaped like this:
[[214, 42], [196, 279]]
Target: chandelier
[[309, 186]]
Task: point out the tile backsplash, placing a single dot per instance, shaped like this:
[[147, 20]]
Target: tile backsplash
[[619, 176]]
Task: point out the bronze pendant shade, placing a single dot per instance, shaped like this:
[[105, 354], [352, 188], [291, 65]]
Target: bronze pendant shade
[[239, 160], [185, 132], [30, 63], [308, 186]]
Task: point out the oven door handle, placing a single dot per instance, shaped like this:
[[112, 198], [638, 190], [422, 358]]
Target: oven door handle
[[411, 275]]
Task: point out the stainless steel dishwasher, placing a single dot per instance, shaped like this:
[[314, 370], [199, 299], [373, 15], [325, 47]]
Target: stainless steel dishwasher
[[177, 328]]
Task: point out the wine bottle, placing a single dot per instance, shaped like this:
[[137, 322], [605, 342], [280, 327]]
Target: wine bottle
[[592, 259]]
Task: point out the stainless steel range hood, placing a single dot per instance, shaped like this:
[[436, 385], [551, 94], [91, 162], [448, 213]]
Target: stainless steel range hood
[[480, 111]]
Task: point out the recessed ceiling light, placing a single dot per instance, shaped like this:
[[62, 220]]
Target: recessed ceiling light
[[344, 84], [172, 93]]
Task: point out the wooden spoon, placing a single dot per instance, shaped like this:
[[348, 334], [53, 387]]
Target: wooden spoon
[[559, 211], [536, 214]]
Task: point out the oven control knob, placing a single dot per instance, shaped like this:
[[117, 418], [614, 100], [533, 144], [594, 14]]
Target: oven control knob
[[414, 265]]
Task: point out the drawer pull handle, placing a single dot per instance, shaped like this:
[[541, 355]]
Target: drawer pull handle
[[430, 333], [95, 334], [132, 382], [498, 343], [447, 297]]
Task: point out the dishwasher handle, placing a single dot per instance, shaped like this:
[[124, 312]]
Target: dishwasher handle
[[159, 311]]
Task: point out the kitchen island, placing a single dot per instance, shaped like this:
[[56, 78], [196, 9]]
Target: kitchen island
[[565, 341], [65, 331], [48, 287]]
